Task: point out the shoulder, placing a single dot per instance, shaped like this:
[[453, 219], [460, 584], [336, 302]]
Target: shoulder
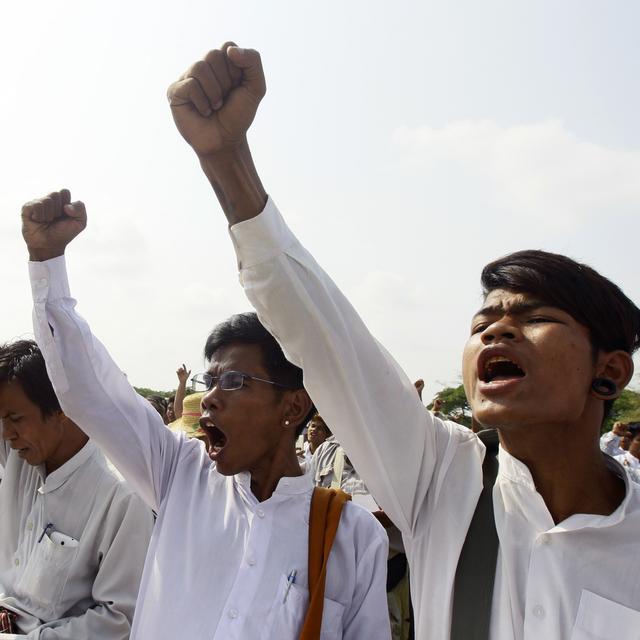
[[361, 525]]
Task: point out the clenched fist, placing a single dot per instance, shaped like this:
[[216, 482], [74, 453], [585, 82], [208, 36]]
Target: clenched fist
[[51, 223], [214, 102]]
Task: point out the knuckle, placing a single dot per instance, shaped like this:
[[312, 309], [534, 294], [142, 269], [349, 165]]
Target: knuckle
[[198, 68]]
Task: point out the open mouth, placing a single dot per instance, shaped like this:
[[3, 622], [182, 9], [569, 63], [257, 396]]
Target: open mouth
[[498, 368], [216, 438]]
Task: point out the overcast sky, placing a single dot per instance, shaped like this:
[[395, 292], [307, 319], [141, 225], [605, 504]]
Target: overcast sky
[[406, 143]]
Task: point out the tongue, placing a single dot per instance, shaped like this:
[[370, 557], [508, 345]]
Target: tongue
[[504, 376]]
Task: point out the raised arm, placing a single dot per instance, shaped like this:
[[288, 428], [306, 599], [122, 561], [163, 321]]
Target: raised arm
[[213, 104], [178, 402], [92, 390], [361, 392]]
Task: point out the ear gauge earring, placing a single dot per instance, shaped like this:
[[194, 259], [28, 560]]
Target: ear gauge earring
[[286, 423], [604, 387]]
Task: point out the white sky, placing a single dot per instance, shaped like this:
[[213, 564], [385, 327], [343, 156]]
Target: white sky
[[407, 144]]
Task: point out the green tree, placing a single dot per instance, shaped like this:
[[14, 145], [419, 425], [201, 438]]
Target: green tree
[[625, 409], [455, 405]]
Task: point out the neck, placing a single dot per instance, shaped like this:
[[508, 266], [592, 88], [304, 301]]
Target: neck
[[72, 442], [571, 479], [265, 477]]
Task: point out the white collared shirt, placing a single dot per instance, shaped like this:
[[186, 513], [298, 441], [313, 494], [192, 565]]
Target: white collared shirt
[[631, 465], [79, 578], [218, 560], [553, 582], [610, 444]]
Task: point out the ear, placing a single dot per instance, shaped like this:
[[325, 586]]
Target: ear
[[616, 366], [297, 406]]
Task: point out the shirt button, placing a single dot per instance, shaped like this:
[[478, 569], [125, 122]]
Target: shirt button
[[233, 613], [29, 525], [539, 612], [16, 562], [260, 513], [251, 562]]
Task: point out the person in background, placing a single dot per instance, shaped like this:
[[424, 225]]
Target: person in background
[[183, 377], [630, 459], [317, 433], [610, 441], [73, 536], [170, 413], [189, 422], [159, 404]]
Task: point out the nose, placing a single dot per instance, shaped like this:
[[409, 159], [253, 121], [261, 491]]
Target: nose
[[502, 329], [211, 399]]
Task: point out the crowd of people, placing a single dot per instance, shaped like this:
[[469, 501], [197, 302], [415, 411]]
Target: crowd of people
[[303, 490]]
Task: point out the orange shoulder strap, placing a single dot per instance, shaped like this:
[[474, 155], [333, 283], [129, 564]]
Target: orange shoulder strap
[[326, 508]]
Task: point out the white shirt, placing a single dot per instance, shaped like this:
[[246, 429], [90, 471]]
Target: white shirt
[[218, 559], [86, 587], [631, 465], [323, 472], [560, 581], [610, 444]]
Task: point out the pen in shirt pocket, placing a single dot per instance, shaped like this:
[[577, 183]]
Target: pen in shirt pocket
[[291, 578], [45, 531]]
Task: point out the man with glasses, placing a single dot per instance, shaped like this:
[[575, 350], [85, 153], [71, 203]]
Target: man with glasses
[[229, 554]]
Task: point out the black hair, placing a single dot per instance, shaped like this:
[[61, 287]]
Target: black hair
[[22, 362], [612, 319], [245, 328], [160, 400], [316, 417]]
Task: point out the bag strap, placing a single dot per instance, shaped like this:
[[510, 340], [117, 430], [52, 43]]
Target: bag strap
[[338, 468], [326, 509], [475, 575]]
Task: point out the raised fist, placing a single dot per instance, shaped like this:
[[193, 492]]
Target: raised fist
[[51, 223], [214, 102]]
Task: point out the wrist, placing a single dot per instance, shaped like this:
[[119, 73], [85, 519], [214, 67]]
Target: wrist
[[42, 255], [234, 178]]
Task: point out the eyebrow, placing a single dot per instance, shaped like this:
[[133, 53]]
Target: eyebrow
[[515, 309]]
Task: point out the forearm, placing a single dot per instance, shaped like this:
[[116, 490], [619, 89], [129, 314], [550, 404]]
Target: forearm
[[93, 391], [179, 399], [234, 178], [101, 621], [362, 393]]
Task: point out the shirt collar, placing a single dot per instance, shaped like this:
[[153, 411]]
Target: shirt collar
[[287, 486], [58, 477], [516, 471]]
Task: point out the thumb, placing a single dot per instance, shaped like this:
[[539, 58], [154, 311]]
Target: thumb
[[249, 61], [76, 210]]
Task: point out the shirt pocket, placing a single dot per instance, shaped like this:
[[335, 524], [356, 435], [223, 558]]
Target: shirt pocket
[[289, 611], [602, 619], [46, 573]]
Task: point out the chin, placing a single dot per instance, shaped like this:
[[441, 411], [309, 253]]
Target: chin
[[492, 415]]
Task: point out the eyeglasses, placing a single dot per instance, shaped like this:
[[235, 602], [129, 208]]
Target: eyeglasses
[[227, 381]]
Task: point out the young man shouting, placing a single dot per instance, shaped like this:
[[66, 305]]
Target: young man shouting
[[547, 353]]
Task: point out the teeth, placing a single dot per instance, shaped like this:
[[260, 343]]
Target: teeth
[[498, 359]]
